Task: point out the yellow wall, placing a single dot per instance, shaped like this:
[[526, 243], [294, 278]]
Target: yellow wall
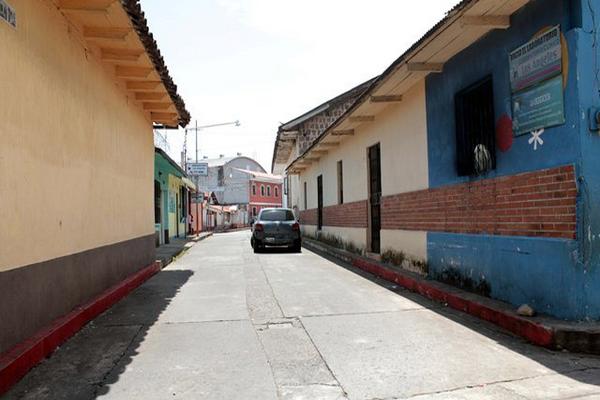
[[175, 185], [401, 130], [76, 156]]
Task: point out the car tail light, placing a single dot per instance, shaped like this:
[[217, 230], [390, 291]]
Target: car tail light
[[259, 227], [296, 226]]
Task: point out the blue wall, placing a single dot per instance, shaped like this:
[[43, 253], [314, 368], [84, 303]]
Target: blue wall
[[556, 276], [490, 56], [588, 73]]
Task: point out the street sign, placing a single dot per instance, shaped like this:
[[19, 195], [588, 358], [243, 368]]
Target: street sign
[[197, 169], [536, 61]]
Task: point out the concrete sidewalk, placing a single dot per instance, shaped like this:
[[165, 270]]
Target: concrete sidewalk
[[167, 252]]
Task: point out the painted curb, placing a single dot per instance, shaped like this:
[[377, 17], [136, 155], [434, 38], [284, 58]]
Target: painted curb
[[16, 362], [535, 332]]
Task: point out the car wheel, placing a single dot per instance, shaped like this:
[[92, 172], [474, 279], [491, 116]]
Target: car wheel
[[297, 248]]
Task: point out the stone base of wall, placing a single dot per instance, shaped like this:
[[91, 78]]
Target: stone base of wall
[[35, 295]]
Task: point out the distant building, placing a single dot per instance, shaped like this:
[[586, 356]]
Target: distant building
[[295, 136], [227, 185], [172, 198], [226, 181], [265, 190]]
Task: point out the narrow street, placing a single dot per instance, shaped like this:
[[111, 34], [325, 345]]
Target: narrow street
[[224, 323]]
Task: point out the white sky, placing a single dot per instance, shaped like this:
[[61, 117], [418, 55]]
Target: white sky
[[265, 62]]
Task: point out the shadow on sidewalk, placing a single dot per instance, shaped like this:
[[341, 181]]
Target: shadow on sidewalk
[[88, 363], [579, 367]]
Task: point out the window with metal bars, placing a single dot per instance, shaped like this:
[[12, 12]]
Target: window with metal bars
[[475, 134]]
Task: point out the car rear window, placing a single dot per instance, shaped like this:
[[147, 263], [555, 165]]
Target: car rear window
[[277, 215]]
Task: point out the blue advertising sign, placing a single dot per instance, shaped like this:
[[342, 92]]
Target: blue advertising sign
[[538, 107], [536, 61]]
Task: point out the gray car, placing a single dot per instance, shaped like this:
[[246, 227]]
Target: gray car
[[276, 227]]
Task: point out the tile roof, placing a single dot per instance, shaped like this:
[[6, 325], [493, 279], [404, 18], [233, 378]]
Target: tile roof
[[140, 24]]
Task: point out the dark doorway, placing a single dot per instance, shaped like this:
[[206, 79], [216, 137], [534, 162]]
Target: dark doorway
[[375, 196], [157, 210], [177, 210], [320, 202]]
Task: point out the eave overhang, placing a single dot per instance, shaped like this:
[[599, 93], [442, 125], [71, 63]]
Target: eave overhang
[[117, 34], [466, 23]]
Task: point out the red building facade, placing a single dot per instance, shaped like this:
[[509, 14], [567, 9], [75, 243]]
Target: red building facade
[[264, 193]]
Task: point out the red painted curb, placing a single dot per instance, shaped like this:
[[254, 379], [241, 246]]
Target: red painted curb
[[16, 362], [534, 332]]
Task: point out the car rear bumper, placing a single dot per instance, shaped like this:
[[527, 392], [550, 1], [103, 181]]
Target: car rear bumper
[[265, 239]]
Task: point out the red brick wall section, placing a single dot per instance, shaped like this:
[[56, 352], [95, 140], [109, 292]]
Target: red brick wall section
[[308, 217], [351, 215], [540, 203]]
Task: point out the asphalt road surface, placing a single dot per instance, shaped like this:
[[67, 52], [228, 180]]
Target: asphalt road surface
[[224, 323]]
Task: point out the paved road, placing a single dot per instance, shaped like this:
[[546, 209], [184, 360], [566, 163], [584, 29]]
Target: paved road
[[224, 323]]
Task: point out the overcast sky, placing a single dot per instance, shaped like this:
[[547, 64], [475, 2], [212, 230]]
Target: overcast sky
[[265, 62]]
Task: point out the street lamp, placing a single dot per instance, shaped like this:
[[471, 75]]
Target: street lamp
[[197, 177], [199, 128]]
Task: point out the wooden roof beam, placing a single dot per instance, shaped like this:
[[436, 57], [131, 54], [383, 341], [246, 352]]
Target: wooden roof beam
[[163, 116], [150, 96], [489, 21], [362, 118], [146, 86], [84, 5], [106, 32], [124, 71], [169, 122], [388, 98], [343, 132], [116, 54], [156, 106], [425, 67]]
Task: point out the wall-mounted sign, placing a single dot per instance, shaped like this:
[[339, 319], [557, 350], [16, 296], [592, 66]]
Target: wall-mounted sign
[[7, 13], [198, 169], [172, 202], [539, 107], [536, 61]]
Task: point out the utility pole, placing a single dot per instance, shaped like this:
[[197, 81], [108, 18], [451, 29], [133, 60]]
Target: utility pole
[[197, 180]]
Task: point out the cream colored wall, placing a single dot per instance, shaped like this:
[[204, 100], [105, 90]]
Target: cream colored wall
[[309, 230], [412, 243], [70, 141], [358, 236], [354, 235], [175, 184], [401, 130]]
